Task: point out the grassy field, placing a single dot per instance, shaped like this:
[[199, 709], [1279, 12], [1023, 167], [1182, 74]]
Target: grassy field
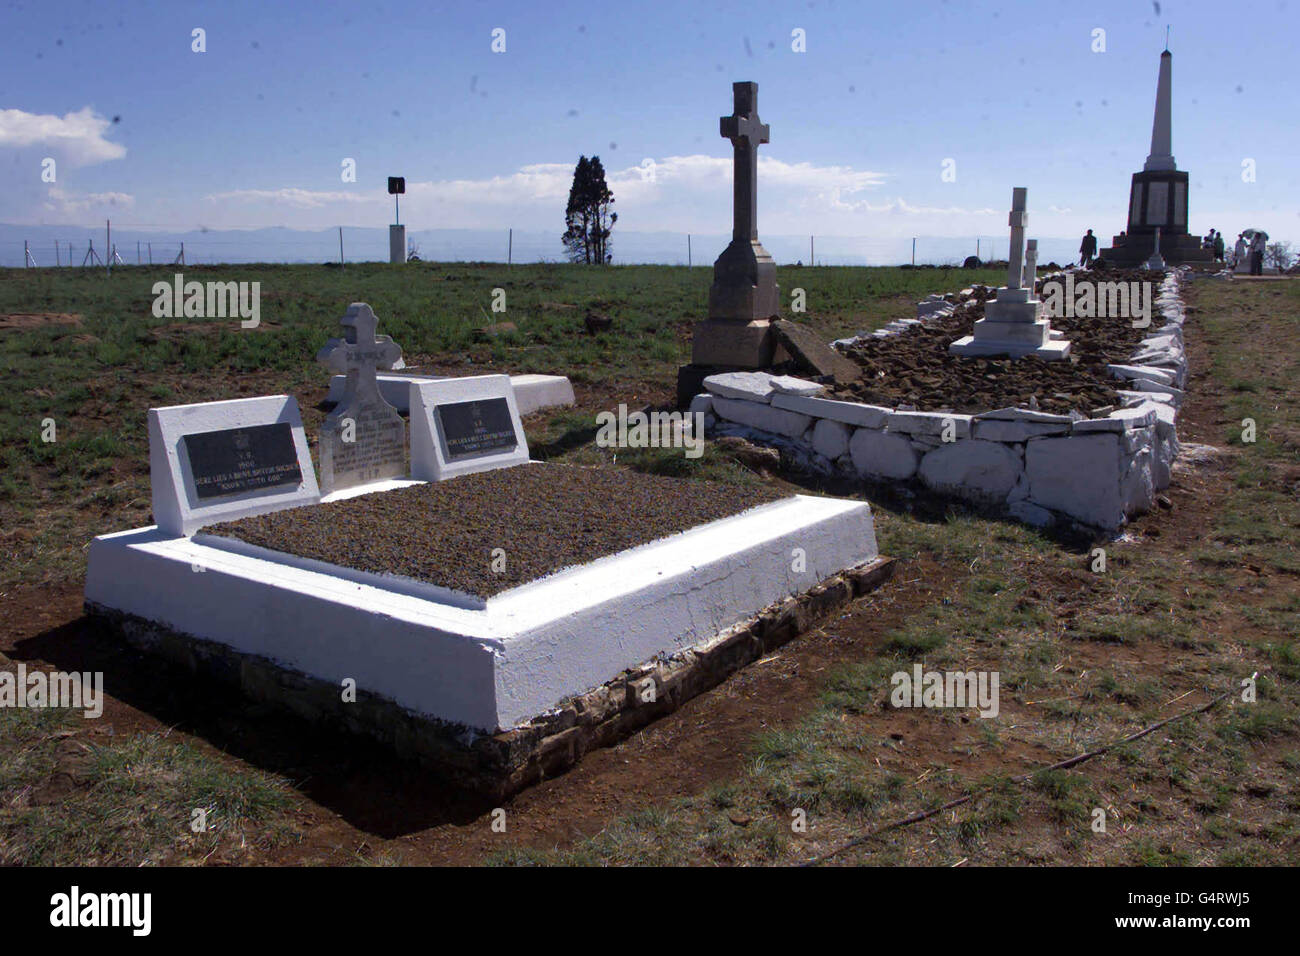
[[1195, 598], [109, 359]]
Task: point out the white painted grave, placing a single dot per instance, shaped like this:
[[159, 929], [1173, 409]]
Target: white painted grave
[[464, 425], [219, 461], [490, 664]]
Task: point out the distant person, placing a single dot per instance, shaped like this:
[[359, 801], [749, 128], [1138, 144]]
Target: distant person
[[1257, 254], [1239, 252], [1218, 247], [1087, 249]]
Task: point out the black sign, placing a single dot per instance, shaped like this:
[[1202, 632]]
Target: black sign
[[396, 185], [471, 429], [235, 460]]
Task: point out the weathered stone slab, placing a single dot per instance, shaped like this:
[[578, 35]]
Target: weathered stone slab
[[1119, 420], [1010, 431], [789, 385], [811, 353], [762, 416], [746, 386], [1024, 415], [934, 424], [1164, 376], [850, 413]]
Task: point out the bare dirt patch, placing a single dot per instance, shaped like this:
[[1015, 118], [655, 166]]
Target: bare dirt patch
[[38, 320]]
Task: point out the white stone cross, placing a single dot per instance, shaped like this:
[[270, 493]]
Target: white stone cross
[[1018, 220], [360, 352], [1031, 264]]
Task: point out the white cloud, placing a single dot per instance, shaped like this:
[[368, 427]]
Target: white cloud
[[672, 194], [74, 138], [291, 196], [63, 205]]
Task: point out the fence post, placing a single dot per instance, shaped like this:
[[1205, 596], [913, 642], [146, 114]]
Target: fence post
[[340, 247], [688, 250], [510, 248], [913, 251]]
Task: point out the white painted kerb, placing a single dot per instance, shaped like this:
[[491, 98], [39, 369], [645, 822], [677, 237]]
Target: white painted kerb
[[527, 650]]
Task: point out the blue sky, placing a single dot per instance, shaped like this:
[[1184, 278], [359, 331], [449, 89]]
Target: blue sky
[[253, 132]]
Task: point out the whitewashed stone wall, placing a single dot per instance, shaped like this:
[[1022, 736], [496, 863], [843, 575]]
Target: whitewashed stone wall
[[1039, 467]]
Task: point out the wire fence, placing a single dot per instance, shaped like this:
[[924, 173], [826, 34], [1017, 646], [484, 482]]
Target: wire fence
[[81, 247]]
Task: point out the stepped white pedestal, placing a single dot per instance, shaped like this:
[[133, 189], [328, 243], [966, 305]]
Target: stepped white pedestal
[[1013, 326]]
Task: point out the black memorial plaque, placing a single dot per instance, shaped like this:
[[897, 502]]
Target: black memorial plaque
[[237, 460], [471, 429]]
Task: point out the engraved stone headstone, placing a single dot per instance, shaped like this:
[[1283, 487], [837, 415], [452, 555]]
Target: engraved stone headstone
[[364, 439], [464, 425], [217, 461]]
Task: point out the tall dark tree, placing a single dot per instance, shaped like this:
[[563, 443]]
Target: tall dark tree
[[587, 219]]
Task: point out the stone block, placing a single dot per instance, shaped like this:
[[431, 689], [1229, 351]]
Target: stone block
[[981, 471], [933, 424], [814, 355], [850, 413], [748, 386], [735, 343], [830, 438], [789, 385], [1078, 476], [996, 430], [878, 454], [762, 416]]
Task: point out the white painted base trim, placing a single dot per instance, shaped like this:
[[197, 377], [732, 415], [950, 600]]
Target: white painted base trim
[[519, 655], [1054, 350]]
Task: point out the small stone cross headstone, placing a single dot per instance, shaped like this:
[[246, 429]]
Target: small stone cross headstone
[[1031, 264], [364, 438]]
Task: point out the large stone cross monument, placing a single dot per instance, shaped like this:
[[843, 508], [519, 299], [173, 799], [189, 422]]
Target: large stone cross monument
[[744, 297], [1013, 323]]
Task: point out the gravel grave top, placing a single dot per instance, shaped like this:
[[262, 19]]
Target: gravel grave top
[[545, 517], [915, 367]]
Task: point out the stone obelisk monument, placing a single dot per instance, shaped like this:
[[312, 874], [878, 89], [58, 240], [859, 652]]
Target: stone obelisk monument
[[1158, 195], [744, 297]]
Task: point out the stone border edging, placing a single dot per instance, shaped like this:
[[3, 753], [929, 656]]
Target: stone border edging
[[1040, 468]]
